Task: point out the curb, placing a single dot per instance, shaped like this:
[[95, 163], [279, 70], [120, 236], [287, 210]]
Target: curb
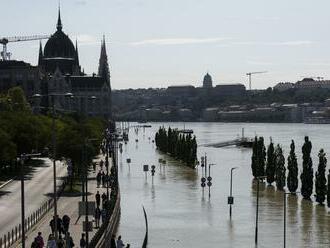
[[6, 183]]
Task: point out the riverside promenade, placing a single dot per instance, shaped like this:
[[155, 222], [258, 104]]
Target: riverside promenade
[[68, 204]]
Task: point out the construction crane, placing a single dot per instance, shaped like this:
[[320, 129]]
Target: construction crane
[[5, 55], [252, 73]]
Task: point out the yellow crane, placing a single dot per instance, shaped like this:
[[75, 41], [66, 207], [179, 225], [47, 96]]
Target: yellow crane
[[252, 73], [5, 55]]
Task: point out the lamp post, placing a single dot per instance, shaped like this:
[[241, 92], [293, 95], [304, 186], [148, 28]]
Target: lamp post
[[257, 208], [231, 198], [22, 200], [54, 152]]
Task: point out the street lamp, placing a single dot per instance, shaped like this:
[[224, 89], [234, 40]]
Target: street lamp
[[230, 197], [284, 214], [257, 208], [54, 151]]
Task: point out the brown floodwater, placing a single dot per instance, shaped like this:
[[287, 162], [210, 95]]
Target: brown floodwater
[[180, 215]]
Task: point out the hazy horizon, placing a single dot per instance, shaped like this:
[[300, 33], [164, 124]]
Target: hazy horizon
[[155, 44]]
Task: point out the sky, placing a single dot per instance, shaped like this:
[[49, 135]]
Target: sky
[[157, 43]]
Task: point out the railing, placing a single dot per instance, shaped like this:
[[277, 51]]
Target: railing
[[15, 234], [103, 235]]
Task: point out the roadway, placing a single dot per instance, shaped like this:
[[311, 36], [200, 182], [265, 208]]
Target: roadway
[[38, 188]]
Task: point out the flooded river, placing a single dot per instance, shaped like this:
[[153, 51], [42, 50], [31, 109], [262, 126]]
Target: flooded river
[[180, 216]]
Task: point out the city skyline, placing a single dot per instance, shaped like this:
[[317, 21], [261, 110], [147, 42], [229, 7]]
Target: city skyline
[[158, 44]]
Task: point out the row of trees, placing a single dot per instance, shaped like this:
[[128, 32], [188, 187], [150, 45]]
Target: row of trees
[[270, 164], [22, 132], [178, 145]]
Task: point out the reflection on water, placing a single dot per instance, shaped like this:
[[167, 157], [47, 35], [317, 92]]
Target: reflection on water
[[181, 216]]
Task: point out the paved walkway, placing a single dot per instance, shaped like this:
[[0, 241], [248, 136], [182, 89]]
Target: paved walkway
[[69, 205]]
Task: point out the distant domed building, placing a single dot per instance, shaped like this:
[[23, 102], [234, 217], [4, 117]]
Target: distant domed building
[[61, 73], [207, 81]]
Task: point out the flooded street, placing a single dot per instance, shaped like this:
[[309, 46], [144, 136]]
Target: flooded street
[[179, 215]]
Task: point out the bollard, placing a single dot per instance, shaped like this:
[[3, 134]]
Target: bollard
[[28, 224], [8, 239], [19, 230], [0, 242], [16, 234], [5, 241], [12, 236]]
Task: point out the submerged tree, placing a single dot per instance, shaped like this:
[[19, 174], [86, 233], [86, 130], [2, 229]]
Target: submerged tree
[[279, 168], [292, 180], [328, 193], [261, 157], [270, 166], [307, 173], [320, 180], [254, 162]]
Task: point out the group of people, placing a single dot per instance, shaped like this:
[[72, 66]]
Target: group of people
[[102, 179], [100, 214], [62, 226], [119, 243], [66, 242]]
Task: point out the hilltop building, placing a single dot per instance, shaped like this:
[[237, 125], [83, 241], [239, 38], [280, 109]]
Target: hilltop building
[[207, 81]]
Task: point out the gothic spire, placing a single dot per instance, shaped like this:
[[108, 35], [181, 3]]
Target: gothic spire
[[104, 71], [40, 54], [59, 22], [77, 55]]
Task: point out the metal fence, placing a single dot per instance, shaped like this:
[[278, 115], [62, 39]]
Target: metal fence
[[15, 234]]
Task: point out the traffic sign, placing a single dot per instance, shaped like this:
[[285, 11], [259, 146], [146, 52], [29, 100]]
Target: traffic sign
[[145, 168]]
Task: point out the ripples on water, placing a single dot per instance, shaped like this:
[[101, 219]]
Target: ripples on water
[[179, 216]]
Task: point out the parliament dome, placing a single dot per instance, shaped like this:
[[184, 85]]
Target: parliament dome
[[59, 44]]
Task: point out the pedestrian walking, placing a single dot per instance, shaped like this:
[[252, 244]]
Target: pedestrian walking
[[40, 240], [59, 225], [104, 199], [113, 241], [35, 243], [98, 199], [51, 243], [66, 223], [83, 243], [60, 242], [98, 178], [52, 225], [103, 215], [97, 216], [101, 164], [128, 246], [103, 179], [94, 166], [120, 243], [68, 241]]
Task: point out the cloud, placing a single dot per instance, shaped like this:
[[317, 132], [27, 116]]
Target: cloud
[[80, 2], [178, 41], [275, 43], [257, 62], [86, 39]]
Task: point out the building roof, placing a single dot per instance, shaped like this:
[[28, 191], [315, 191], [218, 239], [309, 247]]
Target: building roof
[[9, 64], [86, 82]]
